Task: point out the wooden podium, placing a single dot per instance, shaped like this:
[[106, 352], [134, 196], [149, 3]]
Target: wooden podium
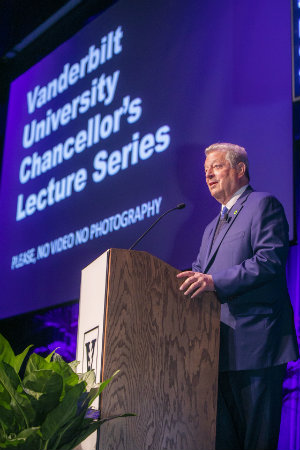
[[134, 318]]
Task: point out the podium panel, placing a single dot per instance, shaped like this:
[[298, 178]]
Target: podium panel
[[166, 347]]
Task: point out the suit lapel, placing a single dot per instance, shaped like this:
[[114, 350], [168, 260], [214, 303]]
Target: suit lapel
[[212, 248], [211, 234]]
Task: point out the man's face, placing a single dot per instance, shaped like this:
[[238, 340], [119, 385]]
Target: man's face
[[222, 180]]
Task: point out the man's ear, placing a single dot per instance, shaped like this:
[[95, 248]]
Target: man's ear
[[241, 169]]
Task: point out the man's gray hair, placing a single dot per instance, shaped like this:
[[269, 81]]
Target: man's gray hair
[[234, 154]]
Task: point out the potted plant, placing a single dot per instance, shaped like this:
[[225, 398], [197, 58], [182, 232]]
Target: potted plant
[[45, 405]]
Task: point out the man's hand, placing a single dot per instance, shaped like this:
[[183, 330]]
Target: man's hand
[[195, 282]]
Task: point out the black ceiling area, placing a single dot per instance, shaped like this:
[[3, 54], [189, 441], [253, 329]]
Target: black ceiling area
[[30, 29]]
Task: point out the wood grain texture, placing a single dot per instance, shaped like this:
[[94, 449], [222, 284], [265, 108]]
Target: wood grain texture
[[167, 349]]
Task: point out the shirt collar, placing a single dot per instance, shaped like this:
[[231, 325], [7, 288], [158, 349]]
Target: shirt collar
[[235, 197]]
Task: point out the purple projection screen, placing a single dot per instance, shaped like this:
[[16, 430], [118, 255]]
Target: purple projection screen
[[108, 131]]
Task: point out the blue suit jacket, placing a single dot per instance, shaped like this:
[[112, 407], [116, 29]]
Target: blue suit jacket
[[247, 262]]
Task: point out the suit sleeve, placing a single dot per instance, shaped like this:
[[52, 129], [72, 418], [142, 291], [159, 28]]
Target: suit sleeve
[[196, 266], [269, 248]]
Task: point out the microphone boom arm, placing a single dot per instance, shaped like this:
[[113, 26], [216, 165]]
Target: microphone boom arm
[[180, 206]]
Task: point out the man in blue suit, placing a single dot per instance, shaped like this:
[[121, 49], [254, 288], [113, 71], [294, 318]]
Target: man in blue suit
[[242, 258]]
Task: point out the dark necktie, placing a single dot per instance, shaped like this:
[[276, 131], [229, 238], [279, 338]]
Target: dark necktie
[[222, 220]]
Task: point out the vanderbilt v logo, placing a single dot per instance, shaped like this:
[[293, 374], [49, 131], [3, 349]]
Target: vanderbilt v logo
[[90, 350]]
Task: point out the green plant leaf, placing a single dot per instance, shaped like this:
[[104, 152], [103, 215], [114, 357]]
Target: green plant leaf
[[57, 357], [74, 365], [36, 362], [8, 421], [81, 435], [89, 377], [33, 439], [20, 358], [19, 401], [43, 383], [12, 443], [104, 383], [49, 409], [93, 392], [46, 388], [89, 427], [49, 357], [67, 410], [6, 352], [70, 378], [4, 397], [66, 434], [89, 397], [29, 439]]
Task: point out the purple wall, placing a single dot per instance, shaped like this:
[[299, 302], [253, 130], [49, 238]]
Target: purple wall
[[290, 422]]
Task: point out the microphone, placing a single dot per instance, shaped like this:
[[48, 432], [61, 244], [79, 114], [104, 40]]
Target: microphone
[[180, 206]]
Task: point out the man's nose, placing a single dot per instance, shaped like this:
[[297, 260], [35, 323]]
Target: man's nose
[[209, 174]]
